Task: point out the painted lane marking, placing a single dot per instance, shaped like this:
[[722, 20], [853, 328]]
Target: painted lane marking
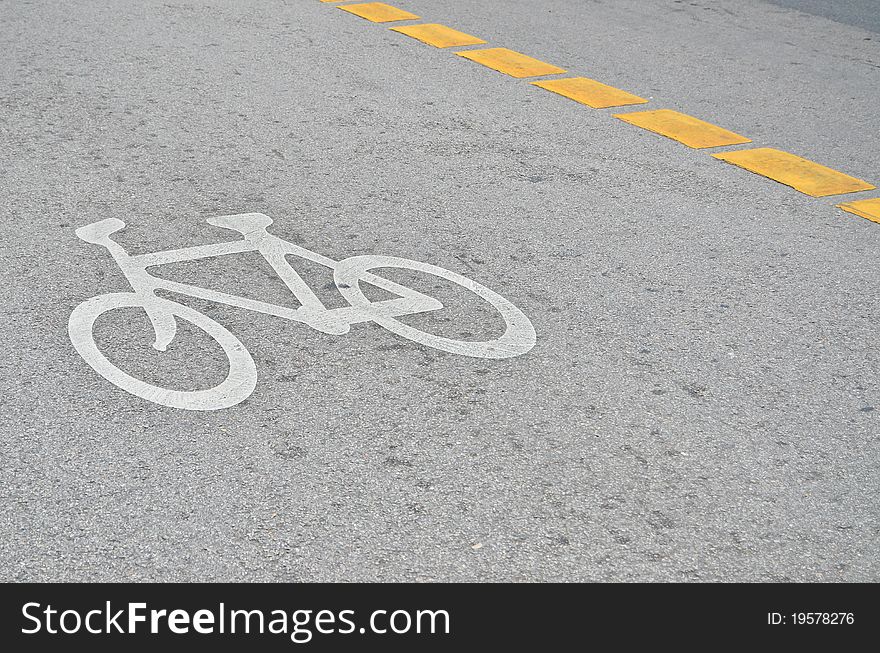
[[510, 62], [439, 36], [801, 174], [590, 92], [377, 12], [868, 209], [683, 128], [518, 337], [805, 176]]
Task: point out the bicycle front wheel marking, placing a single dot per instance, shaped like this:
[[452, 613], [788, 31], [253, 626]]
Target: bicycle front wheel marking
[[518, 338], [238, 385]]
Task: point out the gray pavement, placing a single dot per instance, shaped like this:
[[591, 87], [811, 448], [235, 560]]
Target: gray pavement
[[859, 13], [702, 401]]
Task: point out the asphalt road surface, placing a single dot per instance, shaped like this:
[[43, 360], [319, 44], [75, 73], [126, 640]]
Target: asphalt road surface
[[701, 402], [860, 13]]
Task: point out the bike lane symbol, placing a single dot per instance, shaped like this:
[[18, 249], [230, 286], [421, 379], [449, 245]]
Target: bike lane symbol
[[518, 338]]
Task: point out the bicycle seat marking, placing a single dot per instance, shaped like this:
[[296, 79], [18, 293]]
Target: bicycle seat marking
[[518, 338]]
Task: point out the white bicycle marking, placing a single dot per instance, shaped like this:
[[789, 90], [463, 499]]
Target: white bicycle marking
[[518, 338]]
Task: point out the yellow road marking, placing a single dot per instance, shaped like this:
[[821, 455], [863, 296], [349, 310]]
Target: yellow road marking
[[378, 12], [683, 128], [510, 63], [439, 36], [868, 209], [801, 174], [590, 92], [805, 176]]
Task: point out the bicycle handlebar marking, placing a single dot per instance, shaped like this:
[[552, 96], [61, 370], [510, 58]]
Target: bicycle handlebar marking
[[518, 338]]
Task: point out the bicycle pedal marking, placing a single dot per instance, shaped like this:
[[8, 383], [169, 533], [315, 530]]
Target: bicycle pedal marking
[[518, 338]]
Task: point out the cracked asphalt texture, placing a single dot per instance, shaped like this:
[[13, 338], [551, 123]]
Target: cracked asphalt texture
[[702, 403]]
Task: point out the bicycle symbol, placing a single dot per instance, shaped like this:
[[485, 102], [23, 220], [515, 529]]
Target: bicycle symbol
[[518, 338]]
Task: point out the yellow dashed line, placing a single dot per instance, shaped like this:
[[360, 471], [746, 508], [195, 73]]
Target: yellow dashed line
[[805, 176], [511, 63], [683, 128], [439, 36], [378, 12], [590, 92], [868, 209]]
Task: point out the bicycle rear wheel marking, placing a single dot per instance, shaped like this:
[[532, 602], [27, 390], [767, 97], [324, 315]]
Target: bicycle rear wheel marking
[[518, 338]]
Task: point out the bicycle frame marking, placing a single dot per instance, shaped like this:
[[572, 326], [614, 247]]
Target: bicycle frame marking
[[274, 250], [518, 338]]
